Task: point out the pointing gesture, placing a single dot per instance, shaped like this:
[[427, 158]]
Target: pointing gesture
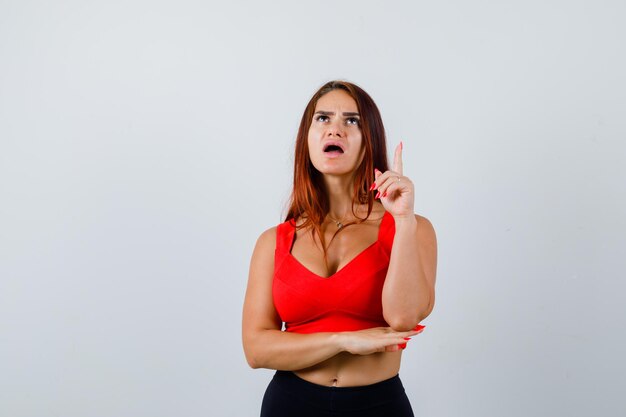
[[397, 159], [396, 192]]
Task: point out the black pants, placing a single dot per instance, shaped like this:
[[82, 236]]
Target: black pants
[[291, 396]]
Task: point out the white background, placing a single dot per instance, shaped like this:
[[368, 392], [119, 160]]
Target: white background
[[144, 146]]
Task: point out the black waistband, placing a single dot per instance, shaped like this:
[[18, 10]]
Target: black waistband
[[366, 396]]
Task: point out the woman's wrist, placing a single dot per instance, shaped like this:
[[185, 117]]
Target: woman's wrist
[[338, 340], [402, 222]]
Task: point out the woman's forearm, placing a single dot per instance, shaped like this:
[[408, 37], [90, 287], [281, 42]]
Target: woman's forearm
[[276, 349], [408, 294]]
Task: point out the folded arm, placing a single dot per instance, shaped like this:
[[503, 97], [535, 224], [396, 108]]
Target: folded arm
[[266, 346]]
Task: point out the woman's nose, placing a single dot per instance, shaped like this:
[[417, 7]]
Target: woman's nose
[[334, 129]]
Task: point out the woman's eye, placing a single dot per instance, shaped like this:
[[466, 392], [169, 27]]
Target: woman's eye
[[352, 121], [321, 118]]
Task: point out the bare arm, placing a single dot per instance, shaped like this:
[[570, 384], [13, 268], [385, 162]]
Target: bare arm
[[266, 346], [409, 290]]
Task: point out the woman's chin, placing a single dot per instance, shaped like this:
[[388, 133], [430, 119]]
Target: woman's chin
[[333, 167], [336, 172]]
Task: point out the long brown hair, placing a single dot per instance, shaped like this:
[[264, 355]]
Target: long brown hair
[[309, 197]]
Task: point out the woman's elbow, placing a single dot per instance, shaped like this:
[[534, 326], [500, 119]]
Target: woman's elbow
[[252, 362], [402, 324], [251, 352], [408, 321]]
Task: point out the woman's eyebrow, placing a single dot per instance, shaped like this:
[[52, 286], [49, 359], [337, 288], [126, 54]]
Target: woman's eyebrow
[[332, 113]]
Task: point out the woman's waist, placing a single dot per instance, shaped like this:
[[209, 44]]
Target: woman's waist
[[348, 370]]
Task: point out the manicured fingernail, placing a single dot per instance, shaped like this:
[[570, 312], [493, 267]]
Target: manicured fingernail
[[377, 195], [418, 327], [373, 186], [402, 346], [385, 194], [407, 338]]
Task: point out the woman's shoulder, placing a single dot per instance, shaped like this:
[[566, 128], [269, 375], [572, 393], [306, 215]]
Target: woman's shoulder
[[422, 220], [426, 230], [268, 236]]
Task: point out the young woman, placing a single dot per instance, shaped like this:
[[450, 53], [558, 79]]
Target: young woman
[[350, 273]]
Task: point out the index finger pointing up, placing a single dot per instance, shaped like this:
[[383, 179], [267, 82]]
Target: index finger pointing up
[[397, 159]]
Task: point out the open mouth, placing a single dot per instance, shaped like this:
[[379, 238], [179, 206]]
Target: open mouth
[[333, 148]]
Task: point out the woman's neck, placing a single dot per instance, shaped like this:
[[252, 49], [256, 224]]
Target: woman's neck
[[340, 191]]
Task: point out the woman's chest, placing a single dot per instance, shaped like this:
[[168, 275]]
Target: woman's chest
[[341, 249]]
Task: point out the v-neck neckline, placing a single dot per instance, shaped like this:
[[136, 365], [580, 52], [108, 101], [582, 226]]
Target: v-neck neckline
[[352, 261]]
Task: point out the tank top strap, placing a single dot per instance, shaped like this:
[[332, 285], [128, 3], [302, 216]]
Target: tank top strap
[[387, 232], [284, 239]]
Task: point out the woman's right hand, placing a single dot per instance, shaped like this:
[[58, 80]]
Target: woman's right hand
[[377, 339]]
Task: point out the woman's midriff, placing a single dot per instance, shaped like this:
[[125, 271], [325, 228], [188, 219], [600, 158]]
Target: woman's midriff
[[348, 370]]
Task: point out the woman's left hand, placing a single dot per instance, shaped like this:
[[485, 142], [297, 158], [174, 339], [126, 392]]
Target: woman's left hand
[[395, 191]]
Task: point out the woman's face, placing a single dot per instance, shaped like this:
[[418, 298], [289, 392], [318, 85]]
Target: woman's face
[[335, 140]]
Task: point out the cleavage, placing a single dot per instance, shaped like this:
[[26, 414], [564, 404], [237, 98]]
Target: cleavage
[[342, 251]]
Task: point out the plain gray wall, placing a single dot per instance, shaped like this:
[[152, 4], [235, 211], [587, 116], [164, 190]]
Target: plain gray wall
[[144, 146]]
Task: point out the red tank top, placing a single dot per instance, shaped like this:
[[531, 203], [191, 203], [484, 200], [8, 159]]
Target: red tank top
[[348, 300]]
